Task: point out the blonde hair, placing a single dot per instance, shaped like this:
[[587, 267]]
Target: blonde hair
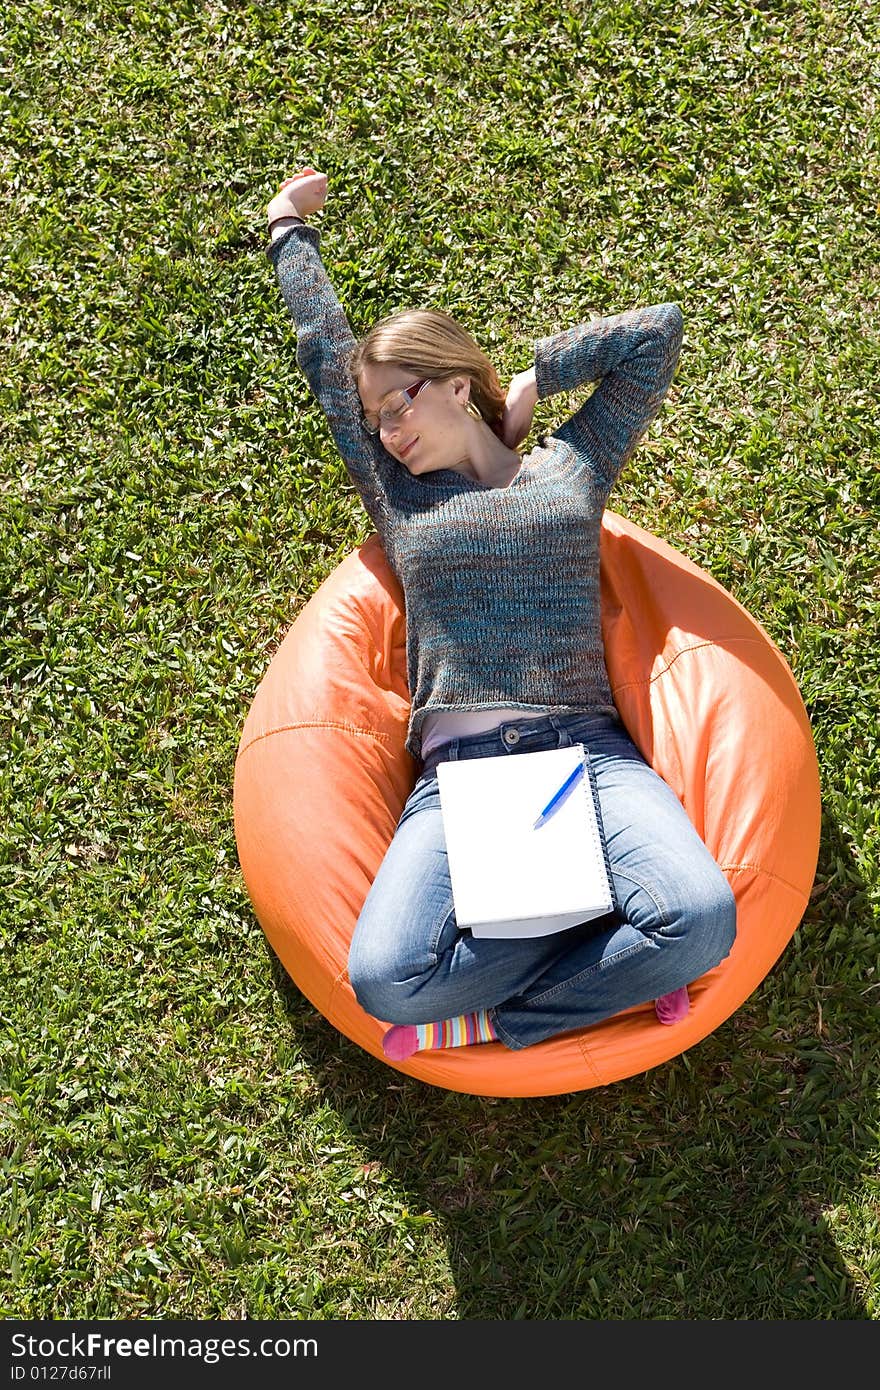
[[432, 344]]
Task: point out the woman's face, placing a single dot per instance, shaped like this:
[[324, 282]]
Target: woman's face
[[433, 432]]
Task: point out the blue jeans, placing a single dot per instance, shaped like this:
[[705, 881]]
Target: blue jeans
[[675, 916]]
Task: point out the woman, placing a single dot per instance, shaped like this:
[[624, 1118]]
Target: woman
[[498, 556]]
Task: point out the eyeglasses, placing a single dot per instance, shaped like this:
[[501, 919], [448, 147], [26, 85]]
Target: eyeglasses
[[396, 406]]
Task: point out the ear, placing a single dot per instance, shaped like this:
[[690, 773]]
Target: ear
[[461, 386]]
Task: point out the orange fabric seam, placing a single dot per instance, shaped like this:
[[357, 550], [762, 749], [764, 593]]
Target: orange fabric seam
[[599, 1080], [697, 647], [341, 978], [314, 724], [767, 873]]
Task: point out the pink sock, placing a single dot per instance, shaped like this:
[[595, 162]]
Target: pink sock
[[400, 1042], [671, 1008]]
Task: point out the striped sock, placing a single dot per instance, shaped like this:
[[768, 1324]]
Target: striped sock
[[403, 1040]]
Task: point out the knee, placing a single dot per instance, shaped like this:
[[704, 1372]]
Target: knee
[[387, 1000], [711, 923], [373, 982], [367, 978]]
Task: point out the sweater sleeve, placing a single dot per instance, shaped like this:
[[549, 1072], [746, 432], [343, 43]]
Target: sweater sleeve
[[324, 343], [633, 357]]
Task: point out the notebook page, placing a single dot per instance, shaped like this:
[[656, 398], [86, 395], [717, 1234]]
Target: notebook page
[[505, 871]]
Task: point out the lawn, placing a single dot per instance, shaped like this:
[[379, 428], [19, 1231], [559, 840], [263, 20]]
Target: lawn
[[183, 1135]]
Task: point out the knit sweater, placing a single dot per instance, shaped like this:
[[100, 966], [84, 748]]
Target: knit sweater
[[501, 585]]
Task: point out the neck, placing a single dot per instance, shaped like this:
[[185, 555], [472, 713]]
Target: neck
[[487, 459]]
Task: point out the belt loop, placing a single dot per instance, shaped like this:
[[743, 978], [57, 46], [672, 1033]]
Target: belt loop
[[563, 737]]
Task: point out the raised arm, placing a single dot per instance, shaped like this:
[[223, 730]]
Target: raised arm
[[633, 357], [324, 341]]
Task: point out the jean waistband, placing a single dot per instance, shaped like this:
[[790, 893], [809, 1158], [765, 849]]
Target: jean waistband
[[519, 736]]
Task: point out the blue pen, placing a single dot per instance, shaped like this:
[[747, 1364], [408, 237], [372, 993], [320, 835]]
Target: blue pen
[[560, 796]]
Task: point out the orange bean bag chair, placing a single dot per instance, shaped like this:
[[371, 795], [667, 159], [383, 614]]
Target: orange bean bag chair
[[322, 775]]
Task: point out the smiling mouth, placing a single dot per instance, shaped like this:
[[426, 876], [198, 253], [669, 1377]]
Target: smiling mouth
[[409, 447]]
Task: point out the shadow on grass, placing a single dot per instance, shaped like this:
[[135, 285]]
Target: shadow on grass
[[714, 1187]]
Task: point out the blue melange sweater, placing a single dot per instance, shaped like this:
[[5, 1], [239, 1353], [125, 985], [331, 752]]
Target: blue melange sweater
[[501, 584]]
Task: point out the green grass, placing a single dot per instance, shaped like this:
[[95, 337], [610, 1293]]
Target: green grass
[[183, 1135]]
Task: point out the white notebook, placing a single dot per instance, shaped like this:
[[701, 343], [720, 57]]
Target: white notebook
[[508, 878]]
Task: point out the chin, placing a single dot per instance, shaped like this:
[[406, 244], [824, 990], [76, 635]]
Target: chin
[[417, 466]]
